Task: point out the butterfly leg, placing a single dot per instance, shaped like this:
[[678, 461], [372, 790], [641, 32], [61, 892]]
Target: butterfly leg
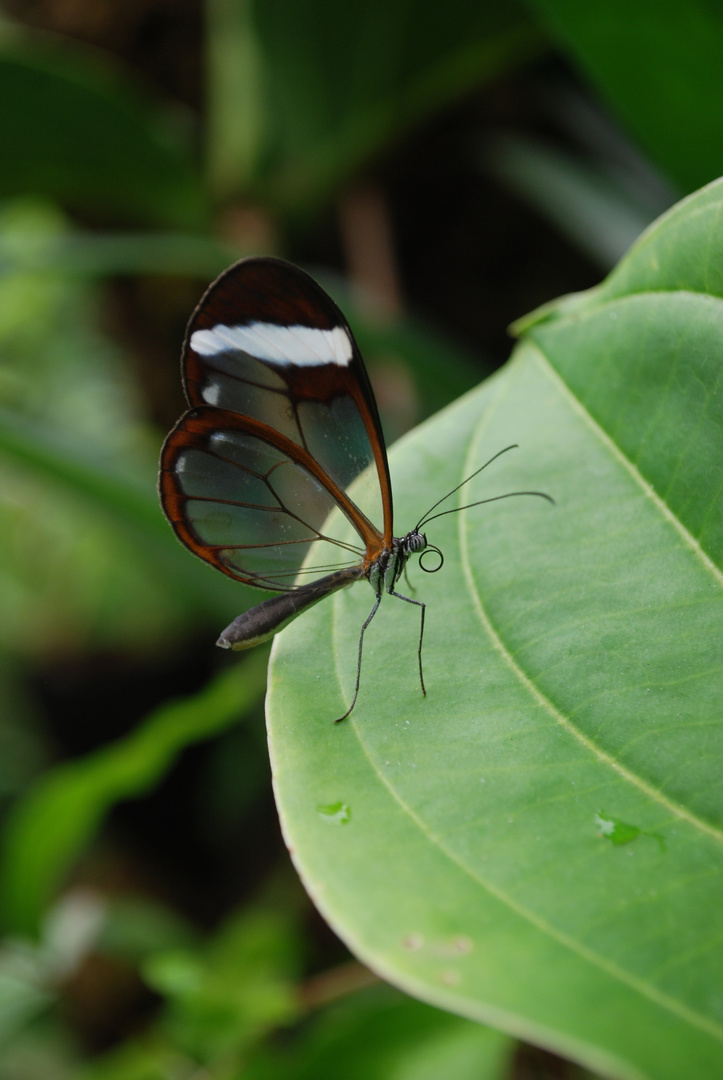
[[419, 604], [369, 618]]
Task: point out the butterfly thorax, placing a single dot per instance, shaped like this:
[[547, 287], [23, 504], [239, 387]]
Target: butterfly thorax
[[387, 568]]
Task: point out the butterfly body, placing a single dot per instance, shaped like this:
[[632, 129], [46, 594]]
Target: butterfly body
[[266, 619], [263, 621], [281, 451], [283, 429]]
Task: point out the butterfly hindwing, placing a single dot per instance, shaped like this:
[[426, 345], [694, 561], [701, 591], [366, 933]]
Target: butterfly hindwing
[[247, 506]]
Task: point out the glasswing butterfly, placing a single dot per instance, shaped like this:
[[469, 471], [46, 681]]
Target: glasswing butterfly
[[282, 423]]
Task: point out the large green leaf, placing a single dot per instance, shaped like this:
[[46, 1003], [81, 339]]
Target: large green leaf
[[539, 843]]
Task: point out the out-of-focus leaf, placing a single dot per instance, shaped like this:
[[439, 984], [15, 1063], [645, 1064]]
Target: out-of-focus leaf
[[135, 927], [22, 753], [44, 1050], [20, 1001], [52, 455], [112, 255], [338, 81], [584, 204], [659, 65], [40, 252], [237, 120], [86, 556], [574, 666], [151, 1058], [602, 140], [49, 828], [223, 998], [77, 132], [381, 1034]]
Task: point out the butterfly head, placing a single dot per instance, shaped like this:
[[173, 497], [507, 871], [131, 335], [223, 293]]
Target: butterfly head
[[416, 543]]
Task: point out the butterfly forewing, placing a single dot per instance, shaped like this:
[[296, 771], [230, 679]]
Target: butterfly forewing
[[283, 422], [267, 342]]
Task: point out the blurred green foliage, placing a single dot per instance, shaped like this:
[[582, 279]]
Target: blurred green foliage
[[118, 202]]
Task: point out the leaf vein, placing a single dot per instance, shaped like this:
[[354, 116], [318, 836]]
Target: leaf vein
[[564, 722], [660, 998], [645, 487]]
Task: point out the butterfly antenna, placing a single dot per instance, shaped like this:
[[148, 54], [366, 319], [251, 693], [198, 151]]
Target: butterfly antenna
[[481, 502], [426, 517]]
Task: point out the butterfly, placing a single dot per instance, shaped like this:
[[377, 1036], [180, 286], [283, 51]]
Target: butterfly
[[282, 445]]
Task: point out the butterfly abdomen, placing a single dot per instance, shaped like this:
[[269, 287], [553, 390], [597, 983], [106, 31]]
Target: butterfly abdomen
[[266, 619]]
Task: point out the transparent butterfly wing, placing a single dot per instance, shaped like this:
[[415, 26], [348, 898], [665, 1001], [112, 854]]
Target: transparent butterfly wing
[[248, 506]]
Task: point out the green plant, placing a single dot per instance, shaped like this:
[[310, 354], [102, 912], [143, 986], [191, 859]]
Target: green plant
[[573, 664], [536, 843]]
